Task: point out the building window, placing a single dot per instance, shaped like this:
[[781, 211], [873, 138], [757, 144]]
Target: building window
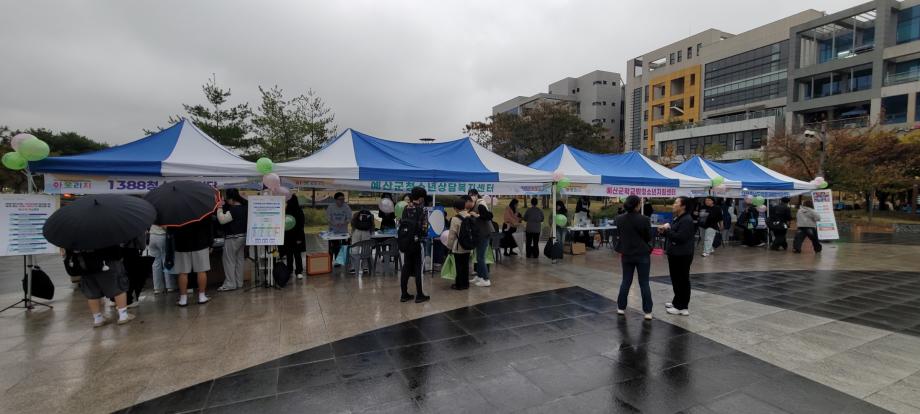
[[671, 60], [698, 46], [692, 101], [689, 53], [605, 82], [908, 25], [645, 115], [605, 103], [577, 89], [917, 108], [692, 79], [646, 93], [895, 109], [678, 55]]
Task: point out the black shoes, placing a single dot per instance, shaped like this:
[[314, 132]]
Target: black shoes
[[421, 298], [406, 298]]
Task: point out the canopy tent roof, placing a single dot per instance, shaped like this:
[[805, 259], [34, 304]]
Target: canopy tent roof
[[181, 150], [700, 168], [361, 157], [751, 175], [631, 168]]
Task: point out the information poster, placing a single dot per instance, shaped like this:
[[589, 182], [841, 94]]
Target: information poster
[[824, 205], [22, 217], [266, 221]]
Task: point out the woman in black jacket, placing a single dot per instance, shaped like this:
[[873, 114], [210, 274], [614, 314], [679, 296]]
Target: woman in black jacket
[[295, 241], [680, 233], [634, 236]]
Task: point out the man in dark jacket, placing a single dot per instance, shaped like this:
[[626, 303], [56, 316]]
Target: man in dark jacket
[[779, 224], [680, 233], [484, 223], [412, 267], [710, 220]]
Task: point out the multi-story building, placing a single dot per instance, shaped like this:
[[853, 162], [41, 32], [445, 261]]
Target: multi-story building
[[596, 97], [812, 70]]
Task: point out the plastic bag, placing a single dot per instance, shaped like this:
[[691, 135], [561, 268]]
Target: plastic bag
[[449, 268], [342, 257]]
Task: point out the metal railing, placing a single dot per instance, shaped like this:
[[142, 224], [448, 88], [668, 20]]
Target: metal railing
[[903, 77], [846, 123]]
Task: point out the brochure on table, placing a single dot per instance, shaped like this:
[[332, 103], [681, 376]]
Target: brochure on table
[[824, 205], [266, 221], [22, 217]]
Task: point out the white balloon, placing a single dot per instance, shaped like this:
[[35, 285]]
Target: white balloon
[[386, 205], [436, 221], [19, 139]]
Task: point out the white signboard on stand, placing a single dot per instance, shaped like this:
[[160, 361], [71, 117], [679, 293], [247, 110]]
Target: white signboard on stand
[[22, 217], [824, 205], [266, 221]]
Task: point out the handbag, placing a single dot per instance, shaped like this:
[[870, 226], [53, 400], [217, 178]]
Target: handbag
[[449, 268], [342, 257], [490, 256]]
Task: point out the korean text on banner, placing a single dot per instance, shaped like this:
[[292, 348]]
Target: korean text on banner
[[22, 217], [266, 221], [824, 205]]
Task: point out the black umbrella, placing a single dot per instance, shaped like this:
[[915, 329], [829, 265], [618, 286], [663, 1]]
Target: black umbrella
[[183, 202], [98, 221]]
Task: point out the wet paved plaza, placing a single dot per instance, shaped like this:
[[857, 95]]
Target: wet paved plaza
[[768, 332]]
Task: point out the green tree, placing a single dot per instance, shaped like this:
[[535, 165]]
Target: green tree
[[287, 129], [713, 151], [538, 131], [228, 125]]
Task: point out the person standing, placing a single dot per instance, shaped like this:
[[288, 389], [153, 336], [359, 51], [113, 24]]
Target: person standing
[[779, 224], [560, 230], [413, 226], [461, 255], [807, 222], [338, 215], [534, 218], [233, 218], [104, 277], [193, 244], [163, 281], [711, 222], [750, 222], [680, 234], [362, 226], [295, 241], [484, 223], [512, 218], [634, 237]]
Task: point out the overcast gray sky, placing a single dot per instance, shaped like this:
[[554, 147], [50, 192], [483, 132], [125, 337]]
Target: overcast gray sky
[[393, 69]]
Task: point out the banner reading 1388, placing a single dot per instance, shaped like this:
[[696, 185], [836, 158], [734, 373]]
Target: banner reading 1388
[[824, 205]]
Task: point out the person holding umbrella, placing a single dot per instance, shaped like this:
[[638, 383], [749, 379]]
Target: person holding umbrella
[[185, 209], [91, 231]]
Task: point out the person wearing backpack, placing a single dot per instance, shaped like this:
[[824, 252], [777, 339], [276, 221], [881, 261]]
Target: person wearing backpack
[[413, 227], [362, 225], [295, 240], [779, 224], [461, 240], [484, 224], [633, 245], [103, 275], [534, 218]]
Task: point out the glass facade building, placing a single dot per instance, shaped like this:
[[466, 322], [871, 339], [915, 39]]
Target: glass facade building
[[734, 141], [908, 25], [752, 76]]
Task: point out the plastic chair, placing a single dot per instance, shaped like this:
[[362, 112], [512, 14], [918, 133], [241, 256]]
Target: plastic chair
[[495, 239], [360, 253], [388, 251]]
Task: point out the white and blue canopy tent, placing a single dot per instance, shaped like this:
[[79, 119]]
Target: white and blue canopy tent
[[617, 175], [754, 179], [357, 161], [180, 152]]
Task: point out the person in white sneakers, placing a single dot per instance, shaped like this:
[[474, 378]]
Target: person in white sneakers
[[104, 277], [193, 245], [484, 216], [233, 217], [680, 233]]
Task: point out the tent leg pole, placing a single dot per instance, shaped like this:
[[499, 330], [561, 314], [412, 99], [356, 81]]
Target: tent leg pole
[[434, 200]]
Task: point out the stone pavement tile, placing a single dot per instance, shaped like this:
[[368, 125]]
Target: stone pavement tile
[[906, 392], [892, 405], [736, 337], [788, 352], [45, 397], [737, 402], [852, 330], [828, 339], [841, 374], [787, 321]]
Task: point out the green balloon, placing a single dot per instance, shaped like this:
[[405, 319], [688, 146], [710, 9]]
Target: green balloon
[[14, 161], [561, 220], [564, 182], [823, 185], [400, 206], [264, 165], [289, 222], [717, 180], [34, 149], [758, 201]]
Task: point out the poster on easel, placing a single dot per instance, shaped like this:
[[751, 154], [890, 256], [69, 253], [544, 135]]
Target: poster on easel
[[22, 217], [824, 205], [265, 221]]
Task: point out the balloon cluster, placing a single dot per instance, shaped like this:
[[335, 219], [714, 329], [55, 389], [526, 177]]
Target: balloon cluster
[[819, 182], [562, 182], [718, 183], [26, 147], [272, 181], [758, 201]]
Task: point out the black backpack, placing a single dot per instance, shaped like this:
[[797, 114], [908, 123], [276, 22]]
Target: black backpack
[[281, 274], [553, 249], [42, 286], [364, 221], [81, 263], [468, 237], [410, 225]]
